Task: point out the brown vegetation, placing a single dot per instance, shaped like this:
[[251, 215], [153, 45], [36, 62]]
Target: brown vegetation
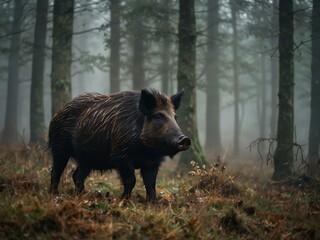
[[210, 203]]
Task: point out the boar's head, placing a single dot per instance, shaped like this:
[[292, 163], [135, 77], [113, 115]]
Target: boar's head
[[160, 129]]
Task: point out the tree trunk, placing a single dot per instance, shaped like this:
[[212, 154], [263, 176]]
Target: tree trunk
[[79, 83], [236, 139], [274, 75], [138, 75], [213, 136], [165, 55], [10, 134], [187, 81], [115, 46], [165, 68], [283, 157], [314, 133], [61, 53], [37, 125], [263, 97]]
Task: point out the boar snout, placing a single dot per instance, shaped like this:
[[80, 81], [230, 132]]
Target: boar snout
[[183, 143]]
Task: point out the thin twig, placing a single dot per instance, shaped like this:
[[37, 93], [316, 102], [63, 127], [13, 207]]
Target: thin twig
[[297, 156]]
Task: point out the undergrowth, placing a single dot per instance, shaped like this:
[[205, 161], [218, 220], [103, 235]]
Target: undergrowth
[[212, 202]]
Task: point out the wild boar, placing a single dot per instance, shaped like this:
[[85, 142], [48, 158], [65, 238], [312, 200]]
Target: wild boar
[[122, 131]]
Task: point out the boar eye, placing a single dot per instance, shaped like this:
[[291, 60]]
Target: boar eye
[[158, 117]]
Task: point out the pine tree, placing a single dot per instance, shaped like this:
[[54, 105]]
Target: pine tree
[[61, 53], [283, 157], [213, 136], [314, 133], [10, 133], [115, 46], [187, 81], [37, 126]]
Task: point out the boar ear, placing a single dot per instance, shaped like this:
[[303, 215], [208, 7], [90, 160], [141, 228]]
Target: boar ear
[[176, 99], [147, 102]]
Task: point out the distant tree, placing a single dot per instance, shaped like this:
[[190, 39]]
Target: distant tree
[[235, 48], [213, 136], [61, 53], [263, 24], [138, 73], [37, 125], [274, 72], [115, 46], [10, 133], [187, 81], [165, 54], [283, 157], [80, 44], [262, 96], [5, 28], [314, 133]]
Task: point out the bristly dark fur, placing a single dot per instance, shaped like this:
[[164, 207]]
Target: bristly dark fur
[[110, 126], [104, 132], [63, 122], [94, 121]]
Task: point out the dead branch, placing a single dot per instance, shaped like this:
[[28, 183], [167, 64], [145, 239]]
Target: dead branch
[[297, 155]]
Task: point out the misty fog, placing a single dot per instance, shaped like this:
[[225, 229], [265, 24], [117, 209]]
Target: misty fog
[[91, 62]]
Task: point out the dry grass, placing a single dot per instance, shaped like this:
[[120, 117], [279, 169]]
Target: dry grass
[[210, 203]]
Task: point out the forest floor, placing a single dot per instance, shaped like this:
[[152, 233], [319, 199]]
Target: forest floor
[[210, 203]]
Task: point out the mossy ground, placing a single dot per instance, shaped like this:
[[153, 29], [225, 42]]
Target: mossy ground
[[209, 203]]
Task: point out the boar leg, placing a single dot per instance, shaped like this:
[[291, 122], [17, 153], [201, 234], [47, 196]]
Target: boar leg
[[128, 180], [59, 164], [149, 175], [79, 176]]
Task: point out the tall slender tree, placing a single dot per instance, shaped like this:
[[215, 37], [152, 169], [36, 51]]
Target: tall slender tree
[[37, 125], [213, 136], [61, 53], [283, 157], [138, 74], [274, 71], [235, 47], [115, 46], [314, 133], [10, 133], [263, 100], [187, 81], [165, 55]]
